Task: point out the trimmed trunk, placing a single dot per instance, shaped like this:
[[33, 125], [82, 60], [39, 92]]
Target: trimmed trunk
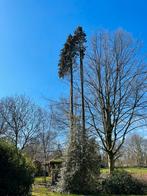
[[111, 162], [71, 102], [82, 96], [83, 154]]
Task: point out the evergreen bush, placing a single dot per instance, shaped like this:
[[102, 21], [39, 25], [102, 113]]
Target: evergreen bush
[[80, 172], [16, 172], [121, 182]]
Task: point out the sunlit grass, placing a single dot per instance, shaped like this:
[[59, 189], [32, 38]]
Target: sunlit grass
[[41, 179], [43, 191], [40, 190], [137, 170], [132, 170]]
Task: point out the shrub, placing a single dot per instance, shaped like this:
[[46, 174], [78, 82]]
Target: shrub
[[78, 176], [120, 182], [16, 172]]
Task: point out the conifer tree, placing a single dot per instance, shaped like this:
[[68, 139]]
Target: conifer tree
[[69, 174], [80, 39], [66, 68], [81, 167]]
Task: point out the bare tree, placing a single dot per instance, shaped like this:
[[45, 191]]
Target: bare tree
[[116, 89], [136, 147], [61, 116], [3, 125], [134, 151], [21, 119], [33, 149], [47, 136]]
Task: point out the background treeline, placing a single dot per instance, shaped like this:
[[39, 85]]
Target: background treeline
[[42, 133], [28, 126]]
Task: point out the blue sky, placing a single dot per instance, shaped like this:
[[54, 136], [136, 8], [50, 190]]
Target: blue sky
[[32, 32]]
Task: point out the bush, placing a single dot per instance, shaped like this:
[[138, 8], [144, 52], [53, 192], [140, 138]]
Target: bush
[[120, 182], [16, 172], [80, 172]]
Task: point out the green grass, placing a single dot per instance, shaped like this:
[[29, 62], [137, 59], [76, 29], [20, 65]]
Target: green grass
[[137, 170], [133, 170], [40, 190], [43, 191], [39, 180]]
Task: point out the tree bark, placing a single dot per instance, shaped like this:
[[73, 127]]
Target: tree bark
[[16, 139], [111, 162], [82, 96], [71, 102], [45, 158]]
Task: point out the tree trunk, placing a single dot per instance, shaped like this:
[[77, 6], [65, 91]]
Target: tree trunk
[[45, 167], [83, 133], [111, 162], [82, 96], [71, 102], [16, 140]]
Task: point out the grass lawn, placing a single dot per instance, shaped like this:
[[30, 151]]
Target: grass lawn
[[43, 191], [132, 170], [39, 180], [39, 188]]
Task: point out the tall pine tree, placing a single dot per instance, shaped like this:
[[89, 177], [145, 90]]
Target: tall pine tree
[[66, 68], [81, 168]]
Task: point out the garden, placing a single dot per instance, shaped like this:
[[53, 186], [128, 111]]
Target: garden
[[91, 140]]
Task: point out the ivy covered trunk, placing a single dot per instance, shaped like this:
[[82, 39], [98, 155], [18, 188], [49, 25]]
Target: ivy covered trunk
[[71, 101]]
